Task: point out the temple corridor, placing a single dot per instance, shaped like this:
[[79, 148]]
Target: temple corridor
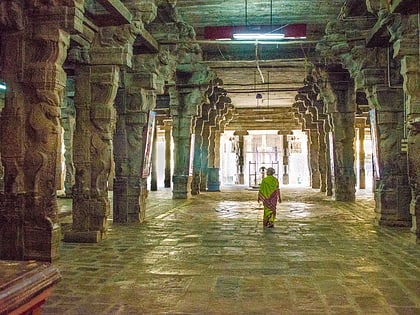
[[210, 255]]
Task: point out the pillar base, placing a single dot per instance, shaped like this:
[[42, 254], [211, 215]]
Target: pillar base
[[182, 186], [213, 183], [41, 243], [82, 237], [392, 206], [285, 179]]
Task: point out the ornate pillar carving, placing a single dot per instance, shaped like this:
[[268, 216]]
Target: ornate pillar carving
[[340, 103], [96, 87], [328, 157], [68, 122], [184, 106], [411, 73], [198, 151], [361, 126], [321, 119], [168, 152], [153, 179], [134, 101], [29, 226], [214, 168], [192, 79]]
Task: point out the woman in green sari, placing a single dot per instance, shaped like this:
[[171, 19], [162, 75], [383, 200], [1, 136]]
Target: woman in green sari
[[269, 194]]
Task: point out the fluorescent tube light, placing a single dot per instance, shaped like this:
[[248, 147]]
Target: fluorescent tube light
[[257, 36]]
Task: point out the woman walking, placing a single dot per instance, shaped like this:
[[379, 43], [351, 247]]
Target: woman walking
[[269, 194]]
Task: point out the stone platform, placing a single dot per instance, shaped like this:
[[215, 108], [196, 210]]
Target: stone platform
[[211, 255]]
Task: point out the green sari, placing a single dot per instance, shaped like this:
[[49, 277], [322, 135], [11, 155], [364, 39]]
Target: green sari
[[269, 194]]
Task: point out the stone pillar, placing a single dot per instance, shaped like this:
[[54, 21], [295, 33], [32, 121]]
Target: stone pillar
[[130, 188], [214, 169], [240, 156], [313, 144], [213, 177], [328, 158], [183, 107], [205, 157], [392, 193], [33, 51], [286, 155], [212, 173], [197, 167], [96, 87], [153, 182], [68, 121], [168, 151], [322, 153], [135, 103], [361, 166], [411, 73], [341, 107]]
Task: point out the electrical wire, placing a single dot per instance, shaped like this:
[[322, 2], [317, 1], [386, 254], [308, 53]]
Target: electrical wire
[[258, 62]]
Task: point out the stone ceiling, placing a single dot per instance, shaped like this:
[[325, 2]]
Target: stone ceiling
[[282, 66]]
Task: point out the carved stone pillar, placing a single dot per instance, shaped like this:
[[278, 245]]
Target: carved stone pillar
[[392, 193], [168, 153], [96, 87], [240, 156], [205, 157], [184, 106], [322, 161], [213, 177], [286, 155], [198, 151], [68, 122], [129, 151], [29, 226], [361, 166], [341, 107], [134, 102], [313, 156], [411, 73], [214, 169], [153, 180], [212, 172], [328, 158]]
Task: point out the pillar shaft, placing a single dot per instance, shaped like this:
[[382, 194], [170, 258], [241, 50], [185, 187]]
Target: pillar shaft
[[153, 182], [96, 87], [197, 167], [361, 166], [240, 159], [411, 73], [392, 193], [168, 154], [29, 226], [341, 107], [286, 155]]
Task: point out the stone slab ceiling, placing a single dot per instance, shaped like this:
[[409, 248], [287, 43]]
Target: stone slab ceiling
[[281, 66]]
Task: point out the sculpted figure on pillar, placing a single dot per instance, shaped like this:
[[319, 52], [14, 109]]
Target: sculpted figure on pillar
[[11, 15], [68, 121], [31, 114], [103, 120], [43, 134]]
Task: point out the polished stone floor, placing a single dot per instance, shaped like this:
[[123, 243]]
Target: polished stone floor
[[211, 255]]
